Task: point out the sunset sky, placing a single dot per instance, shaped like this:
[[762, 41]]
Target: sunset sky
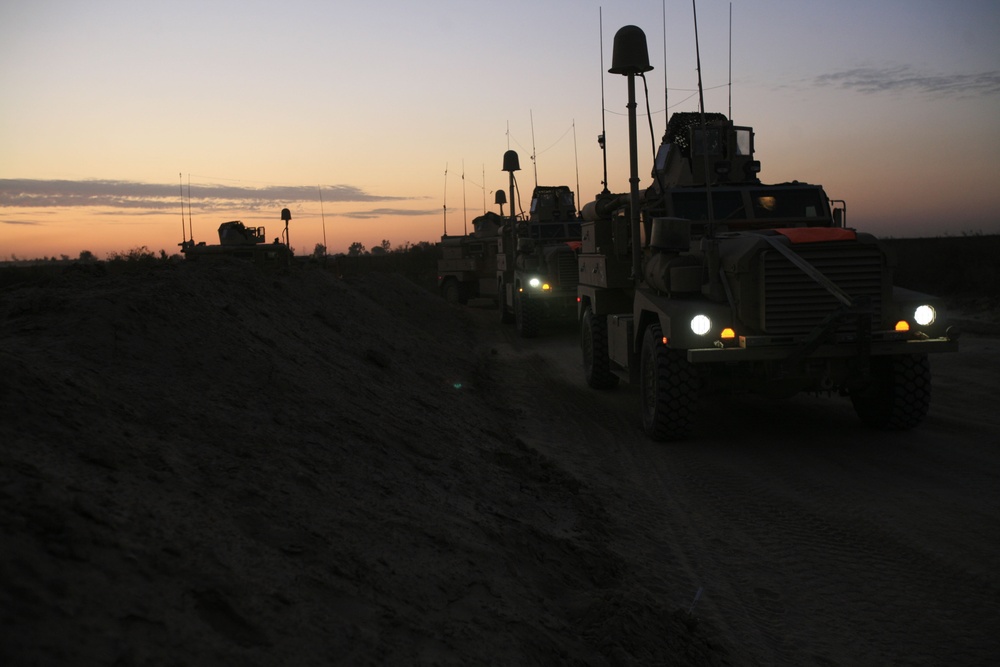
[[110, 109]]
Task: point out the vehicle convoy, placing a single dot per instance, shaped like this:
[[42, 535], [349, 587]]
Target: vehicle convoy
[[468, 265], [243, 242], [536, 274], [711, 281]]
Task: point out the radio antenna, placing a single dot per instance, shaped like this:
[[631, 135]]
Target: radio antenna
[[190, 227], [601, 139], [704, 126], [534, 162], [180, 178], [576, 159], [730, 61], [666, 90], [322, 213], [446, 199]]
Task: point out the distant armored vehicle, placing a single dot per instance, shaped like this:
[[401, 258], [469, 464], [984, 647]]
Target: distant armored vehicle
[[536, 266], [243, 242], [711, 281], [468, 265]]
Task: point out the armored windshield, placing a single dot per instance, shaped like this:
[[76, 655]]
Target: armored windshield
[[707, 142], [787, 204], [726, 205]]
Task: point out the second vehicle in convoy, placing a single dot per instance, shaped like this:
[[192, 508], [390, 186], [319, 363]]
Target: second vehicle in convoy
[[537, 262]]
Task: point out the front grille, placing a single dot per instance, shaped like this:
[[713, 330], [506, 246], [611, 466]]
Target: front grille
[[567, 274], [794, 304]]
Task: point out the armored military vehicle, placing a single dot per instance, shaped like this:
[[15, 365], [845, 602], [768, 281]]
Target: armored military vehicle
[[242, 242], [468, 265], [537, 262], [711, 281]]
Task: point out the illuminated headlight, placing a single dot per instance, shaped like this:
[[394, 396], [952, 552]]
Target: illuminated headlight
[[534, 282], [924, 315], [701, 325]]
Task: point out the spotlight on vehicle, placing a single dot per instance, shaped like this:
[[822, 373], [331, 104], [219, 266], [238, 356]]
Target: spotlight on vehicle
[[701, 325], [924, 315]]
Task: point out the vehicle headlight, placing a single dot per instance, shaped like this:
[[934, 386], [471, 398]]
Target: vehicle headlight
[[924, 315], [534, 282], [701, 325]]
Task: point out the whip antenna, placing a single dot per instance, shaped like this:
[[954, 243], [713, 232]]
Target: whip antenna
[[446, 199], [576, 159], [704, 127], [730, 61], [190, 227], [666, 90], [534, 162], [600, 139], [180, 178], [322, 213]]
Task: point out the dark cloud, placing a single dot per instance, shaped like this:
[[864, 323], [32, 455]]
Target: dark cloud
[[382, 212], [31, 193], [18, 222], [904, 78]]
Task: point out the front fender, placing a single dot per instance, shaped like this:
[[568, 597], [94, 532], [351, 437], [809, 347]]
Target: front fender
[[674, 316]]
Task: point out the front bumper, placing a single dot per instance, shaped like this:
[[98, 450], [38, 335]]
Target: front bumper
[[749, 351]]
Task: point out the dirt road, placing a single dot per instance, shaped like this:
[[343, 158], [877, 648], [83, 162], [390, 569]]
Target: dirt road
[[800, 536], [218, 465]]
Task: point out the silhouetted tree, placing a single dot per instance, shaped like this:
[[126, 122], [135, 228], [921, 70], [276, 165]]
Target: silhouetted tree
[[87, 256], [319, 250], [356, 248]]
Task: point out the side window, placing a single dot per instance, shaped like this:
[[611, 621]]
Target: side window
[[744, 141]]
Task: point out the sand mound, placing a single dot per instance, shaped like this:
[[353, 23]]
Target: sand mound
[[219, 465]]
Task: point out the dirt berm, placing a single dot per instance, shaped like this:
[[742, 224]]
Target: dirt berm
[[219, 465]]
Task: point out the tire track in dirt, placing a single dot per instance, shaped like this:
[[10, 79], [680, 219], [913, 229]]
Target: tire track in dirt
[[813, 539]]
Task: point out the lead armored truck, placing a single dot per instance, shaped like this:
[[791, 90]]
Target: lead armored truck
[[711, 281]]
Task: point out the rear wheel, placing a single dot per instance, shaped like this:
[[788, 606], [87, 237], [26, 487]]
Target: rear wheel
[[899, 394], [594, 343], [450, 291], [669, 389], [526, 316]]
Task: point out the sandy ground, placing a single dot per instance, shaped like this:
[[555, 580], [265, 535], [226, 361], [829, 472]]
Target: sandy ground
[[215, 465]]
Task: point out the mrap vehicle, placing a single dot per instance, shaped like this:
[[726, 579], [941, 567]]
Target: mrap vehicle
[[237, 240], [537, 261], [468, 265], [711, 281]]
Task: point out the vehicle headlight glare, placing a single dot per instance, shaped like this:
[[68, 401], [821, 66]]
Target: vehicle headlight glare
[[701, 325], [534, 282], [924, 315]]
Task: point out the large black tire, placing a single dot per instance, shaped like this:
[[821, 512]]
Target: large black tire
[[451, 291], [899, 394], [594, 343], [527, 316], [506, 316], [669, 389]]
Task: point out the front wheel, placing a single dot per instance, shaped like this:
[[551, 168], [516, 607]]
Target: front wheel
[[594, 344], [898, 396], [451, 291], [669, 388], [527, 316]]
